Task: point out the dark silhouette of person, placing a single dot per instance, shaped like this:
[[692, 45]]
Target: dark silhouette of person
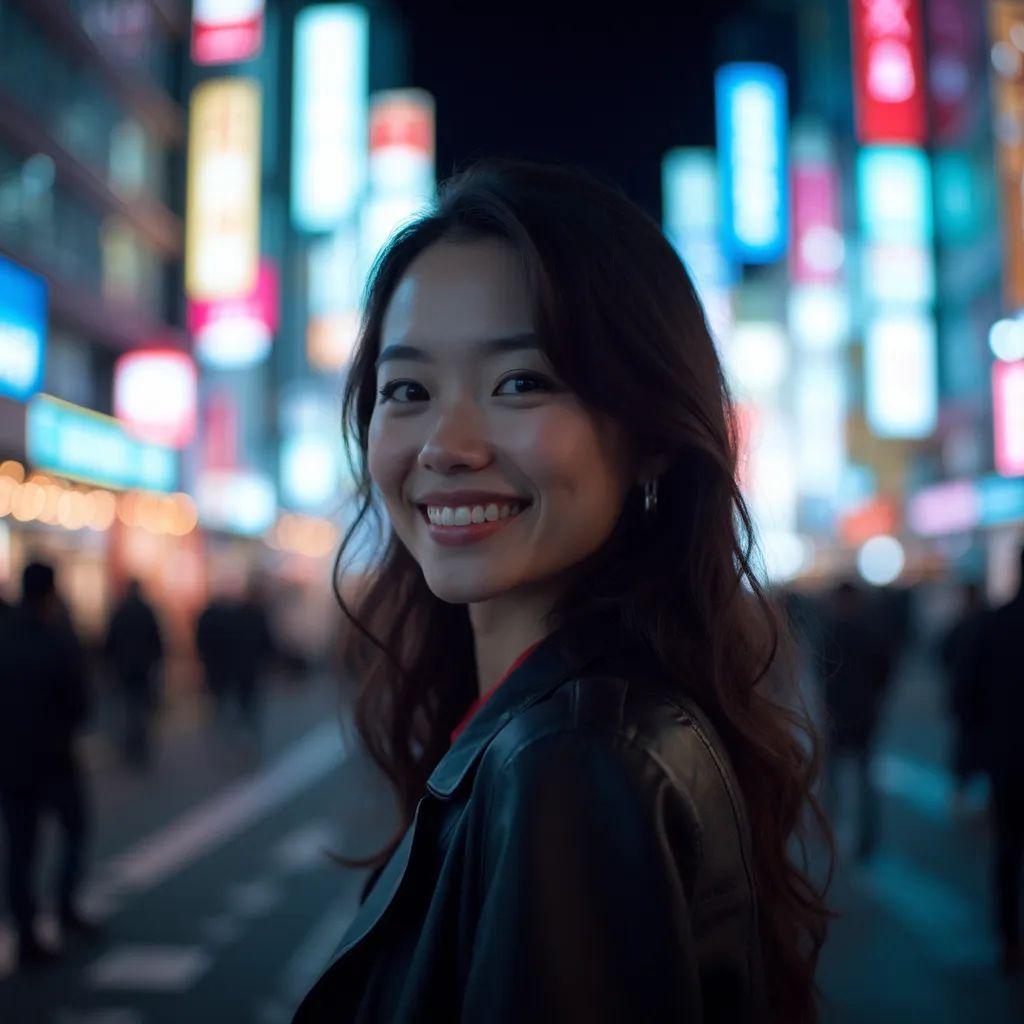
[[996, 710], [235, 645], [216, 648], [856, 666], [957, 653], [134, 649], [43, 704], [254, 649]]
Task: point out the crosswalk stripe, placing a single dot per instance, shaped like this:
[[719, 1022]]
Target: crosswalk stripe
[[173, 848]]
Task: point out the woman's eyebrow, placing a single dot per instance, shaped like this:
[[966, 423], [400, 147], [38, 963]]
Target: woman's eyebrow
[[511, 343]]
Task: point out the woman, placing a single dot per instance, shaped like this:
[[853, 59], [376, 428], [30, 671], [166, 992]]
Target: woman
[[564, 651]]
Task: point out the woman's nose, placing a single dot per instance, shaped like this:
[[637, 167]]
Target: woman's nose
[[457, 442]]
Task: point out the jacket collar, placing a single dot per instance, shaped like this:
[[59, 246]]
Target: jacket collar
[[558, 658]]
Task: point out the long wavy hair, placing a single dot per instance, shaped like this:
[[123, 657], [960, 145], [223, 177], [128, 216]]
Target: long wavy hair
[[617, 316]]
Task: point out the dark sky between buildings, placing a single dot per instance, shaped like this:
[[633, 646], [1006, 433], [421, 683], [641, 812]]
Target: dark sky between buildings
[[609, 92]]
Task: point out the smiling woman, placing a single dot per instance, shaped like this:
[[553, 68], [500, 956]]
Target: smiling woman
[[568, 669]]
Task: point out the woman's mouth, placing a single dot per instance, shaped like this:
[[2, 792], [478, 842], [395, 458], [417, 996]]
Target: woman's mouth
[[467, 515], [459, 525]]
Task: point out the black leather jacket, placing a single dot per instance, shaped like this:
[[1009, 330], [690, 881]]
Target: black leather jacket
[[581, 854]]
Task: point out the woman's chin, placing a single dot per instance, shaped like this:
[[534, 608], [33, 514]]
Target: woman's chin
[[464, 591]]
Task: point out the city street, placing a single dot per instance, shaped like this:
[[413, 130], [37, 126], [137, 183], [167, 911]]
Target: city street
[[221, 905]]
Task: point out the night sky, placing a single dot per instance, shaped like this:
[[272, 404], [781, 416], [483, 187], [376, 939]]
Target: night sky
[[610, 94]]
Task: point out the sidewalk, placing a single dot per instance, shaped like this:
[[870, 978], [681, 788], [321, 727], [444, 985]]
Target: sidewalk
[[913, 941]]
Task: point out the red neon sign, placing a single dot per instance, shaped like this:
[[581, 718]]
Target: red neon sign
[[888, 70]]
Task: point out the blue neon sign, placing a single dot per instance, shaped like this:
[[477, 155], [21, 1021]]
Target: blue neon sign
[[1001, 499], [22, 331], [87, 445], [751, 122]]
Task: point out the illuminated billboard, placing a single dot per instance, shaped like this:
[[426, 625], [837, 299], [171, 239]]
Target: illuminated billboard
[[900, 374], [1008, 417], [329, 114], [76, 442], [226, 31], [890, 88], [222, 215], [239, 331], [155, 396], [22, 331], [236, 501], [751, 119], [1006, 20]]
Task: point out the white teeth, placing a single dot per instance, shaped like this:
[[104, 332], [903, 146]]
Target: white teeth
[[463, 515]]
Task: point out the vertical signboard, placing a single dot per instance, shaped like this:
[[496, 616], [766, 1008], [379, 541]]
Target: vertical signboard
[[1008, 416], [955, 31], [226, 31], [22, 330], [329, 114], [900, 374], [890, 88], [751, 125], [223, 204], [1007, 23]]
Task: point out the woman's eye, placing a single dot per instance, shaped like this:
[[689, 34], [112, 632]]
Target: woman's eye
[[522, 384], [402, 391]]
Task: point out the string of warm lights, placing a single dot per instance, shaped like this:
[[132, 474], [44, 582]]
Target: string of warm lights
[[303, 535], [37, 497]]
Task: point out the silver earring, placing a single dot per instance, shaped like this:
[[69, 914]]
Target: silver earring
[[650, 497]]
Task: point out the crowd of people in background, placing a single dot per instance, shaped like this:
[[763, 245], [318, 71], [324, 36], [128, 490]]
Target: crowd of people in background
[[47, 700], [852, 640]]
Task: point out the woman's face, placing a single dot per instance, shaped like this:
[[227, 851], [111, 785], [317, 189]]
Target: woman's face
[[495, 477]]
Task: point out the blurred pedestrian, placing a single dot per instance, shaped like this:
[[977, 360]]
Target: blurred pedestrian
[[43, 705], [563, 648], [957, 653], [254, 651], [856, 667], [134, 649], [996, 709], [215, 645]]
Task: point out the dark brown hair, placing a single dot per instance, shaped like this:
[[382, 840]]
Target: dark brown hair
[[617, 317]]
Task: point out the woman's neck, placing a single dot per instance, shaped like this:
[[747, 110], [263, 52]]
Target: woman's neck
[[503, 628]]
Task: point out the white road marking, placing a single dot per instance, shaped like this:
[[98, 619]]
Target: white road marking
[[99, 1015], [925, 787], [222, 929], [306, 847], [950, 926], [311, 958], [149, 968], [253, 899], [196, 833]]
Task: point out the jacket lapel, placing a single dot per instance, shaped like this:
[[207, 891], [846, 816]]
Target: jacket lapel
[[556, 659]]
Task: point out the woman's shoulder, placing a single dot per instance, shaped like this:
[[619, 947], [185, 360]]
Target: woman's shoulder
[[604, 734]]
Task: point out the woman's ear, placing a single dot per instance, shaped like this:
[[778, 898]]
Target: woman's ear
[[653, 466]]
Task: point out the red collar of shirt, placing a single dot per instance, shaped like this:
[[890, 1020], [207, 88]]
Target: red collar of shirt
[[484, 697]]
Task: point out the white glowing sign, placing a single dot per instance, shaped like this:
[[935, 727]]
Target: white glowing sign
[[900, 374], [236, 501], [329, 137], [155, 396], [223, 205]]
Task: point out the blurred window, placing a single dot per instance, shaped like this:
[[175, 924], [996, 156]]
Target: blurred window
[[75, 109], [71, 239]]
